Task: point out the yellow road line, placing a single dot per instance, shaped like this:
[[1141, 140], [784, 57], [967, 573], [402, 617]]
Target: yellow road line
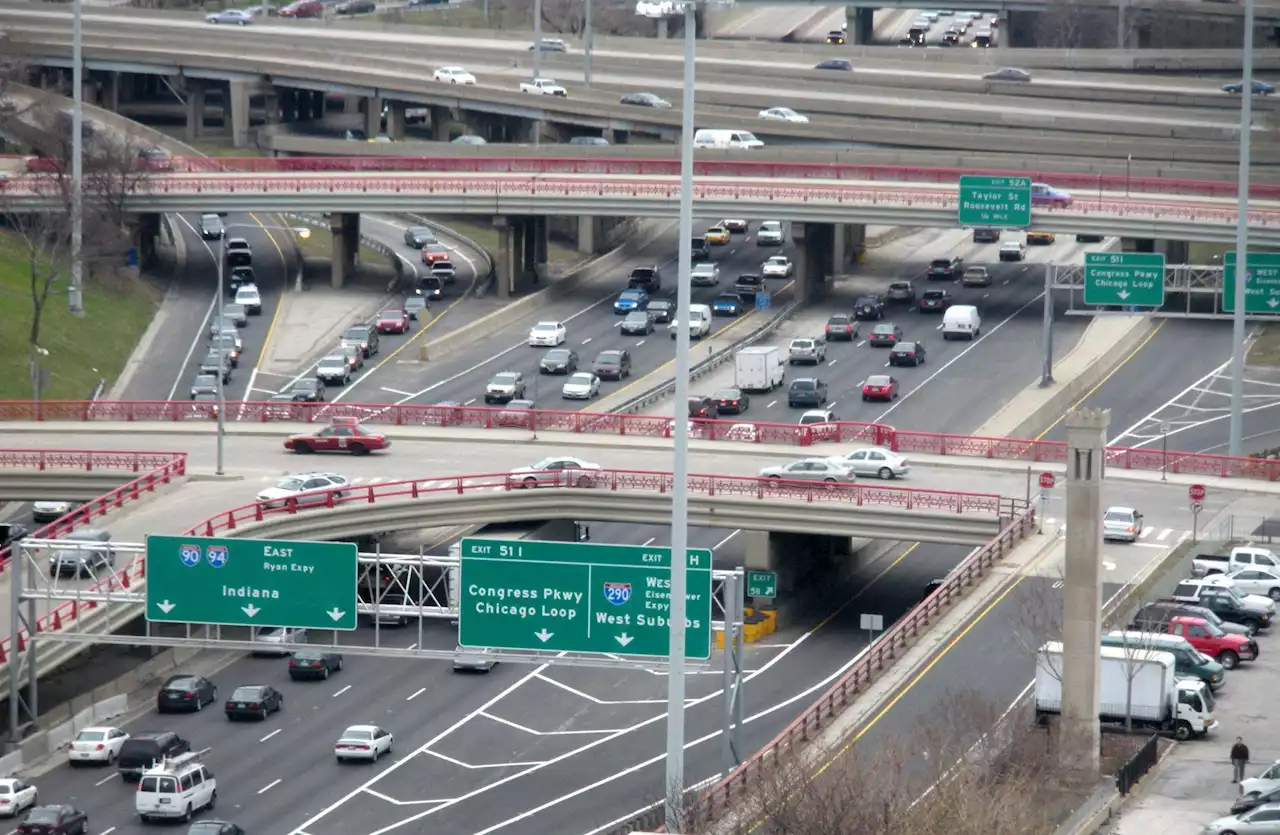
[[275, 317], [1104, 380]]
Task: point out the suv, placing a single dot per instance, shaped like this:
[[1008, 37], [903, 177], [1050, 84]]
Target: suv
[[701, 250], [239, 253], [842, 326], [217, 362], [807, 349], [986, 236], [211, 228], [176, 787], [505, 387], [945, 267], [612, 365], [749, 285], [701, 406], [1226, 603], [239, 277], [807, 391], [868, 307], [140, 750], [648, 279], [365, 337], [976, 277], [769, 233], [1154, 617]]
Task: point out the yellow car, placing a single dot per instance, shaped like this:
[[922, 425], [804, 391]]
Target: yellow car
[[835, 37], [717, 236], [1040, 238]]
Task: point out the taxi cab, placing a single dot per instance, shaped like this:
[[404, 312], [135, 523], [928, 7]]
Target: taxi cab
[[343, 434], [717, 236]]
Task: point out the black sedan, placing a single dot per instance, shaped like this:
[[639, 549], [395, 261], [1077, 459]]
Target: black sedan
[[1246, 802], [308, 390], [660, 311], [185, 692], [256, 700], [309, 663], [731, 401], [54, 820], [834, 64], [558, 361], [214, 828]]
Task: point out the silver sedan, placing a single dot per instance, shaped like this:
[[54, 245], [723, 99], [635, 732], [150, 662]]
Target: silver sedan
[[1122, 523], [811, 469], [552, 471], [874, 461], [580, 386]]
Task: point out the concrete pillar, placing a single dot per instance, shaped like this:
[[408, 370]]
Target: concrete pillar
[[319, 104], [351, 104], [507, 257], [111, 91], [529, 249], [441, 118], [238, 102], [539, 225], [861, 24], [1175, 252], [586, 234], [195, 113], [345, 229], [1137, 245], [1017, 29], [128, 86], [664, 29], [815, 245], [145, 230], [89, 90], [395, 120], [1080, 739], [530, 130], [373, 116], [274, 110]]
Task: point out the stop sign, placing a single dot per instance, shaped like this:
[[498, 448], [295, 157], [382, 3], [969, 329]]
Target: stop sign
[[1047, 480], [1196, 492]]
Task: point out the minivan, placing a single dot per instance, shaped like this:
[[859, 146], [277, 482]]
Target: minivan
[[1190, 662], [699, 322], [142, 749], [961, 321], [92, 552], [740, 139]]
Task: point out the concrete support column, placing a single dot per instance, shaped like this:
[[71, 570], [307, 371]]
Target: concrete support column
[[126, 86], [529, 249], [815, 244], [352, 104], [195, 113], [861, 24], [1175, 252], [274, 108], [540, 236], [507, 256], [1080, 739], [89, 90], [1137, 245], [1017, 29], [373, 116], [345, 229], [586, 234], [395, 120], [664, 29], [111, 91], [146, 230], [319, 104], [238, 103], [441, 118]]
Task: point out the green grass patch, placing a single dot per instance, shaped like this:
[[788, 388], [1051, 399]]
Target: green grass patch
[[82, 349], [223, 148], [1265, 350]]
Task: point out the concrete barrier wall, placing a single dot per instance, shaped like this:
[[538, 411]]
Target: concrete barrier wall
[[56, 485]]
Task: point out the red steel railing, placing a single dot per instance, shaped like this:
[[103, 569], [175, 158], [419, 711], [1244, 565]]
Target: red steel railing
[[702, 168], [764, 489], [610, 187], [544, 420]]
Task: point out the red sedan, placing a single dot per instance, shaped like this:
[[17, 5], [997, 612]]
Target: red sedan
[[880, 387], [432, 253], [393, 320], [342, 435]]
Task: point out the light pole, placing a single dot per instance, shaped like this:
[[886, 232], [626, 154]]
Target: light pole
[[1164, 450], [1242, 239], [302, 232], [75, 298], [674, 787]]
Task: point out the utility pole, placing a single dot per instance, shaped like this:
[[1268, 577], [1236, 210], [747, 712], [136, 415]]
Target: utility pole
[[1236, 446], [75, 295]]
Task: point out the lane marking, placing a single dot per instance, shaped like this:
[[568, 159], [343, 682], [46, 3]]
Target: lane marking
[[470, 767], [208, 316], [106, 831], [532, 732], [394, 802], [722, 542], [273, 733], [648, 542], [340, 692], [1091, 392], [275, 316], [269, 786], [395, 391], [588, 697], [416, 694], [106, 780]]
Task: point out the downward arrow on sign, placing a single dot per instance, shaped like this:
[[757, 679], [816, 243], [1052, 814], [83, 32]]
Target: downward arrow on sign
[[1272, 303], [166, 606], [1122, 295], [623, 639], [544, 635], [250, 610], [335, 613]]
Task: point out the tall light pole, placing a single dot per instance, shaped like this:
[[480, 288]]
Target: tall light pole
[[1242, 239], [75, 296], [537, 38], [586, 43], [674, 787]]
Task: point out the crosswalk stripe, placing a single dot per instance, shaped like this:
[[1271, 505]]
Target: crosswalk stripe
[[1146, 532], [1164, 534]]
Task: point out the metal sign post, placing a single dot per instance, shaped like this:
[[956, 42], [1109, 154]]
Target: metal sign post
[[1164, 450], [1196, 493], [872, 624], [1047, 481], [734, 608]]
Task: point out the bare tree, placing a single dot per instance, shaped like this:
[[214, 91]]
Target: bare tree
[[568, 17], [1068, 25], [112, 170]]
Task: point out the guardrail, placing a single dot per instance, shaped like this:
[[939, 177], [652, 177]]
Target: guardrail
[[701, 168], [879, 656], [641, 481], [478, 417], [582, 193]]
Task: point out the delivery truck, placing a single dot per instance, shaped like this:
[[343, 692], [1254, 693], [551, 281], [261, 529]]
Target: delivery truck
[[1136, 683], [759, 368]]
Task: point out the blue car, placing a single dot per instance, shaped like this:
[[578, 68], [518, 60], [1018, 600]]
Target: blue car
[[726, 305], [1043, 194], [631, 300]]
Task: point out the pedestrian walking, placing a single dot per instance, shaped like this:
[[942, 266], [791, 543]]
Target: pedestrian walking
[[1239, 759]]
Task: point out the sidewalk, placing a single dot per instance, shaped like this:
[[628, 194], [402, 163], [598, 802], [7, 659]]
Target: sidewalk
[[309, 322]]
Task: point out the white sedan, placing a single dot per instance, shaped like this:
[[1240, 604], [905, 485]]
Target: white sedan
[[305, 489], [548, 334], [783, 114], [15, 796], [1256, 580], [581, 386], [779, 266], [362, 742], [51, 511], [873, 461], [453, 75], [548, 471], [96, 745]]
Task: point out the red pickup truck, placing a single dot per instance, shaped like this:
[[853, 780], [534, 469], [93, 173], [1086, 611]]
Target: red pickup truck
[[1229, 649]]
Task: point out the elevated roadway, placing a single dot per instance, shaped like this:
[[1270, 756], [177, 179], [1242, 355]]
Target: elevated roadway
[[1166, 217]]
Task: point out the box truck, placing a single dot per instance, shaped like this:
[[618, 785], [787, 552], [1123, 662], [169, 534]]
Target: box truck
[[1133, 682], [759, 368]]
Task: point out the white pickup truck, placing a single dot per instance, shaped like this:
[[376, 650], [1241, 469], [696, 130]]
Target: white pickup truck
[[1203, 565], [543, 87]]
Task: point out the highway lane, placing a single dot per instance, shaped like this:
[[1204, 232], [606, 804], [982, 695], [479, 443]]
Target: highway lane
[[592, 327]]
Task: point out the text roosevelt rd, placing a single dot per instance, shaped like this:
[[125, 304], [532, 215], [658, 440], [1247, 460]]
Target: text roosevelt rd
[[525, 603]]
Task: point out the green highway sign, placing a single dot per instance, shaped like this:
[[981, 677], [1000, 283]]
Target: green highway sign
[[762, 584], [1261, 286], [578, 597], [251, 582], [1124, 278], [995, 201]]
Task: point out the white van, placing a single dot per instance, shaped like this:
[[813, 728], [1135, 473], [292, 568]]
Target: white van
[[176, 787], [709, 138], [699, 322], [961, 321]]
